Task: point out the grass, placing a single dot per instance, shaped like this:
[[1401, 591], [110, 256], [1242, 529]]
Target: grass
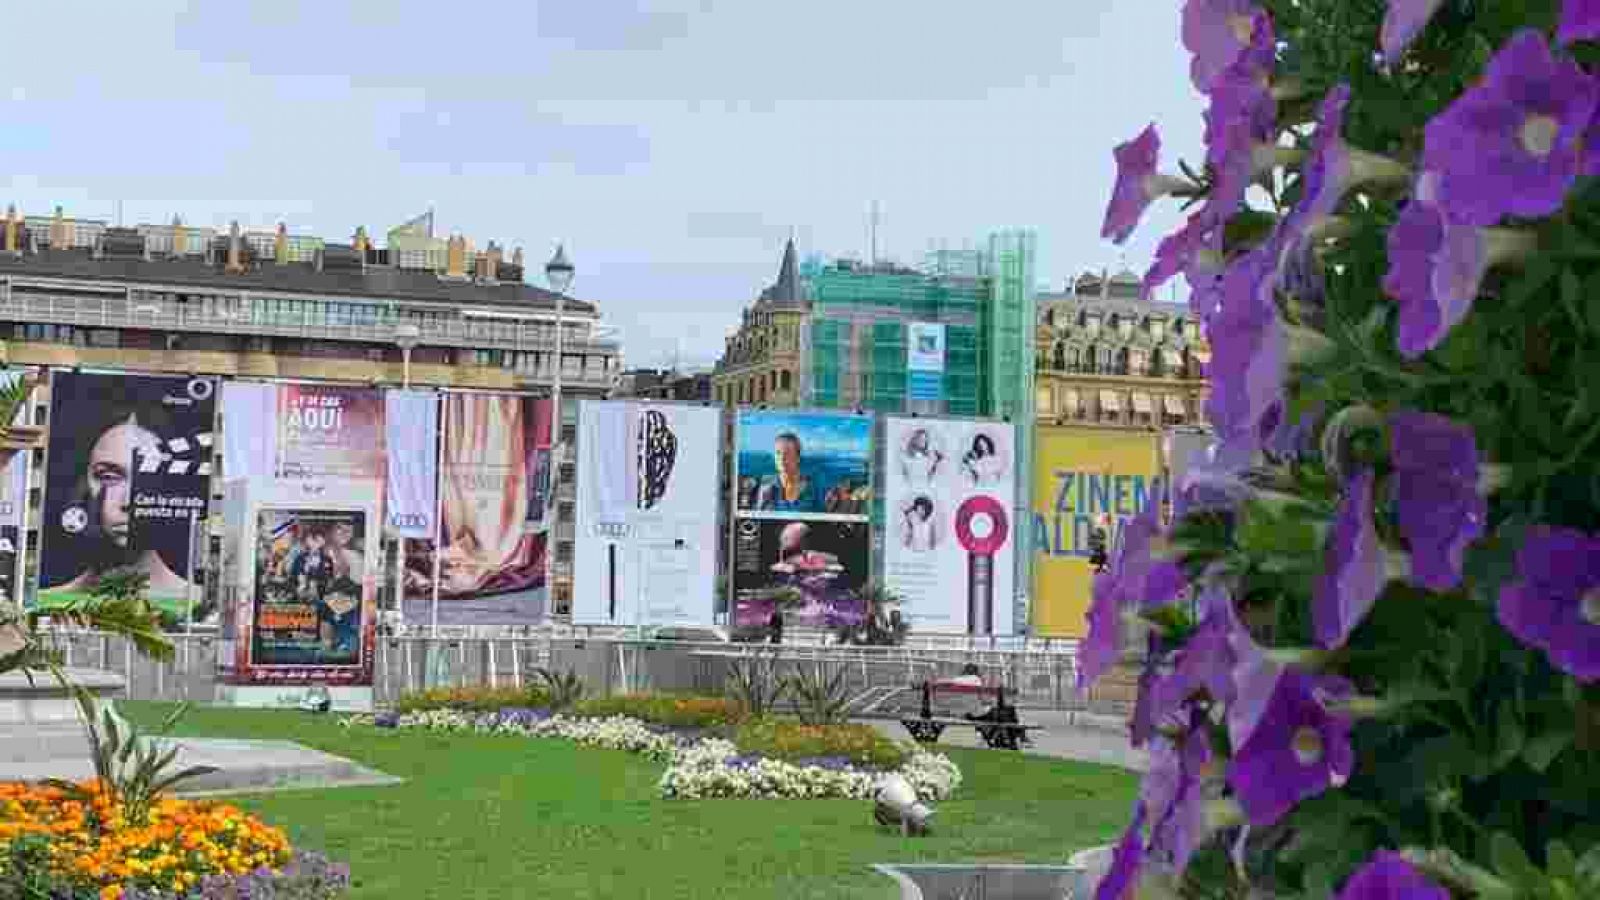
[[495, 816]]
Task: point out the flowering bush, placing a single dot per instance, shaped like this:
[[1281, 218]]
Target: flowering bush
[[481, 698], [862, 745], [307, 876], [1372, 666], [93, 846], [715, 768], [665, 709]]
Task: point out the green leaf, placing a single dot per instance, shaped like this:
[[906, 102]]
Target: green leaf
[[1572, 296], [1541, 750], [1560, 862], [1510, 861], [1591, 291], [1508, 736]]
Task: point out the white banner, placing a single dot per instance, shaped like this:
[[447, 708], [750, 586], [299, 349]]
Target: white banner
[[648, 491], [411, 423], [249, 430], [949, 542], [14, 480]]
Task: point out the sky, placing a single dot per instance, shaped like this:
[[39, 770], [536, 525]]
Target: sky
[[672, 146]]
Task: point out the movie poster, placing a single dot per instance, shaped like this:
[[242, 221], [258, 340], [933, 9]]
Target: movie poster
[[804, 464], [128, 464], [494, 484], [949, 546], [310, 620], [811, 571], [646, 537], [330, 433]]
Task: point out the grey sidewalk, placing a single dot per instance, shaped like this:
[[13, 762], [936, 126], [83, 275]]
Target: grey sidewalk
[[1080, 736]]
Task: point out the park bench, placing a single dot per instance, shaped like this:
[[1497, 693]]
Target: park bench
[[999, 727]]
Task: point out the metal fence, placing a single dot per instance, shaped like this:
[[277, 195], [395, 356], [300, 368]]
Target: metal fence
[[878, 679]]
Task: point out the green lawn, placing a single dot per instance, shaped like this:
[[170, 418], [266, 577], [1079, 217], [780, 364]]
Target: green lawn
[[494, 816]]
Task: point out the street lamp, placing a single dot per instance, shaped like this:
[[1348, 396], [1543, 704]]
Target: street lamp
[[407, 335], [558, 272]]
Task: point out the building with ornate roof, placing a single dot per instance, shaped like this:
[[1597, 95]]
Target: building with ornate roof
[[1106, 357]]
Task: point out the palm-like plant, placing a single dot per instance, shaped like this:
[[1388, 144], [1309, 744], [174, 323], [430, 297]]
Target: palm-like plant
[[130, 767], [566, 688], [755, 685], [820, 699]]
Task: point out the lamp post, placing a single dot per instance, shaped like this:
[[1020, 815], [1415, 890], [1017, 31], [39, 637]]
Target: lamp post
[[407, 335], [558, 273]]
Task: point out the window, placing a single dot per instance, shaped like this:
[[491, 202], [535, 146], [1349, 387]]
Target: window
[[1044, 398], [1059, 362], [1123, 360], [783, 380]]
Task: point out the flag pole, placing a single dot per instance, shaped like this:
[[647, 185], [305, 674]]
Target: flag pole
[[438, 513]]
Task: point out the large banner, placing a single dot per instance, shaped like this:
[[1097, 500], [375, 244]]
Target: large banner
[[803, 482], [312, 619], [949, 547], [812, 571], [13, 509], [646, 544], [412, 429], [128, 466], [1083, 479], [330, 433], [494, 479]]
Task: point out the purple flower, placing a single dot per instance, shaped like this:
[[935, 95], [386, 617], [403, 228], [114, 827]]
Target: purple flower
[[1239, 140], [1513, 144], [1436, 264], [1183, 250], [1327, 170], [1120, 880], [1295, 437], [1134, 578], [1297, 750], [1174, 796], [1554, 604], [1248, 351], [1580, 21], [1353, 566], [1138, 184], [1401, 25], [1205, 662], [1387, 876], [1223, 35], [1440, 510]]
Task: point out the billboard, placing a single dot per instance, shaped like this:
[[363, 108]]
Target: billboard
[[494, 480], [925, 360], [311, 610], [949, 547], [646, 542], [813, 570], [793, 463], [330, 432], [1082, 478], [13, 509], [128, 465]]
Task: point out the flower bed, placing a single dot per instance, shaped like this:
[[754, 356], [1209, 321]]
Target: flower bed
[[678, 711], [86, 846], [480, 699], [717, 767]]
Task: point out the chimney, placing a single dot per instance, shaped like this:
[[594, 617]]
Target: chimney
[[495, 254], [455, 265], [58, 230], [360, 243], [235, 263], [516, 257], [280, 245], [13, 231], [180, 237], [480, 267]]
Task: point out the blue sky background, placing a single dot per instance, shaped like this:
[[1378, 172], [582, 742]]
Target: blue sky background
[[819, 433], [673, 145]]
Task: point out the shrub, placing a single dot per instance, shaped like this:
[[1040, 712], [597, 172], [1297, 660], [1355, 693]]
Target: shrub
[[672, 710], [820, 698], [477, 699], [861, 745], [755, 685], [564, 688]]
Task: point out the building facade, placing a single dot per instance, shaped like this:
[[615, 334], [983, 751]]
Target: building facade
[[665, 384], [423, 311], [1105, 357]]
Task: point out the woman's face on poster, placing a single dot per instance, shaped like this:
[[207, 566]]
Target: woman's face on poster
[[110, 475]]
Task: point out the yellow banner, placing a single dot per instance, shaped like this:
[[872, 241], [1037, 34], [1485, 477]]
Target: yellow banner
[[1080, 475]]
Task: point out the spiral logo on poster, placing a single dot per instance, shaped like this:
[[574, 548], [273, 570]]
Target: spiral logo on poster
[[658, 452]]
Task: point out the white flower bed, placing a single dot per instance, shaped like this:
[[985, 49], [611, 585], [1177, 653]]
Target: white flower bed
[[711, 767]]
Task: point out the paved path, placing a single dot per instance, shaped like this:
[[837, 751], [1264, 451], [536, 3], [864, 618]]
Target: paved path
[[1085, 737]]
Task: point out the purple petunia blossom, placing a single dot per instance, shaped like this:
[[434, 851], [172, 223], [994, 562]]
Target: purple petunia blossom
[[1554, 604], [1187, 251], [1513, 144], [1297, 750], [1223, 35], [1174, 796], [1248, 352], [1387, 876], [1580, 21], [1240, 140], [1436, 265], [1123, 876], [1205, 662], [1327, 172], [1353, 567], [1402, 23], [1138, 184], [1440, 510], [1133, 578]]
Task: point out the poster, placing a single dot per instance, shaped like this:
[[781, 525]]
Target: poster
[[925, 360], [494, 484], [311, 615], [14, 508], [330, 432], [128, 465], [804, 463], [812, 570], [1083, 478], [949, 546], [646, 542]]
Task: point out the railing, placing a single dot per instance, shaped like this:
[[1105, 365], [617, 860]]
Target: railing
[[878, 679], [33, 304]]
